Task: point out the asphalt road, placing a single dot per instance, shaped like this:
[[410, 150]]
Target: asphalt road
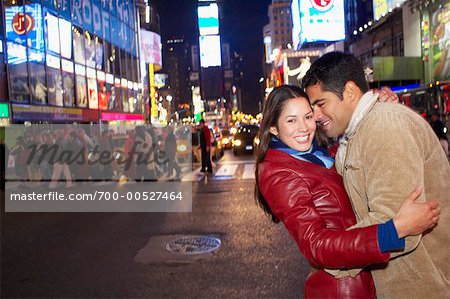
[[123, 255]]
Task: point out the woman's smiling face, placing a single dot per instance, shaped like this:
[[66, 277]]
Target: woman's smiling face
[[296, 126]]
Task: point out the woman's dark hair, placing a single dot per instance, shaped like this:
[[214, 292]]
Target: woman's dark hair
[[271, 113], [333, 70]]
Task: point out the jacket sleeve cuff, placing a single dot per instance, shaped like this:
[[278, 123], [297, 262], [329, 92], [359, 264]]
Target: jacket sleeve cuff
[[388, 239]]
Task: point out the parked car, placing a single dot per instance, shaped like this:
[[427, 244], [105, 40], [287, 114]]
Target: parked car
[[244, 139]]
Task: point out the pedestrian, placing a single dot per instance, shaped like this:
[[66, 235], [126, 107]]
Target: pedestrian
[[60, 166], [440, 130], [297, 184], [129, 167], [20, 154], [170, 149], [145, 164], [205, 145], [385, 151]]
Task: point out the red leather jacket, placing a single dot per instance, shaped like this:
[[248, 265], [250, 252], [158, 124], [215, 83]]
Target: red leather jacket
[[313, 205]]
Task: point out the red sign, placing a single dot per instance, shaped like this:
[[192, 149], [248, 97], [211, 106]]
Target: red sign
[[22, 23], [322, 5]]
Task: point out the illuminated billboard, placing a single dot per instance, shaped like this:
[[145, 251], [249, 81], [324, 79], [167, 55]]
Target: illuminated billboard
[[22, 25], [321, 20], [382, 7], [296, 26], [151, 47], [210, 54], [208, 19]]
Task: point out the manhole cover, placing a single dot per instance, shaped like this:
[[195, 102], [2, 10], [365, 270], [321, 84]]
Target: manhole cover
[[194, 245]]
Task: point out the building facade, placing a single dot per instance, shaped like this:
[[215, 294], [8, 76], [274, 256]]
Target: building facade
[[70, 61], [280, 22]]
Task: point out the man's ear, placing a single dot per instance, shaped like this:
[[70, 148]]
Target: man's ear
[[351, 91], [273, 130]]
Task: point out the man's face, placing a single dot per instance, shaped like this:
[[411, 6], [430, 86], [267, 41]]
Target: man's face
[[332, 113]]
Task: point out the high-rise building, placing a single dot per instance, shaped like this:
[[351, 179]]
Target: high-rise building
[[176, 61], [280, 22]]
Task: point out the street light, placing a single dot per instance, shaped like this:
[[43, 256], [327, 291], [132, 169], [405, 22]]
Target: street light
[[261, 80]]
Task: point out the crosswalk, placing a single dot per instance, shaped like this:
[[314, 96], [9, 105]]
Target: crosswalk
[[225, 171]]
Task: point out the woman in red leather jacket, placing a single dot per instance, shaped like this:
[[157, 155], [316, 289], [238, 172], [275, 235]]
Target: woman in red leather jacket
[[297, 184]]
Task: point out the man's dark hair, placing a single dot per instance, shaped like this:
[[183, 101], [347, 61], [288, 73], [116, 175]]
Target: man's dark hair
[[333, 70]]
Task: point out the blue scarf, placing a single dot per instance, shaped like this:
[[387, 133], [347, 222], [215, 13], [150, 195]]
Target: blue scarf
[[314, 155]]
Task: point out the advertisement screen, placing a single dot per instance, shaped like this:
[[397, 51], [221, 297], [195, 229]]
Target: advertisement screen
[[322, 20], [440, 44], [52, 29], [65, 35], [21, 25], [208, 19], [296, 26], [382, 7], [210, 51], [151, 47]]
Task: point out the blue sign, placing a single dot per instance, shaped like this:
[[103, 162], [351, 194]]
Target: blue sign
[[22, 25]]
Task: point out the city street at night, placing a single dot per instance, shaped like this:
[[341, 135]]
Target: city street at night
[[224, 149], [94, 255]]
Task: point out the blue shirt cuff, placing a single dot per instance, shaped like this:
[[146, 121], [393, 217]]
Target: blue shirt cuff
[[388, 239]]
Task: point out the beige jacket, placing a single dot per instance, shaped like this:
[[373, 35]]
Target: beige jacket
[[393, 151]]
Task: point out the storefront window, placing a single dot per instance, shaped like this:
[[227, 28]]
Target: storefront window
[[37, 83]]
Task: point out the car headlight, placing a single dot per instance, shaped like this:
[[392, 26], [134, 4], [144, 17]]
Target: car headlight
[[237, 142], [181, 148], [225, 141]]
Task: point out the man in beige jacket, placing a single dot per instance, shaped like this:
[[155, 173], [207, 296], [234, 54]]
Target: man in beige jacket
[[385, 151]]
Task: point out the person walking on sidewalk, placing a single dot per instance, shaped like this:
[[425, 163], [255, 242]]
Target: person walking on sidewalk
[[205, 145]]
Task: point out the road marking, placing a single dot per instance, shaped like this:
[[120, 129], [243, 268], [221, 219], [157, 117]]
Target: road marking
[[249, 172], [195, 175], [227, 170], [235, 162]]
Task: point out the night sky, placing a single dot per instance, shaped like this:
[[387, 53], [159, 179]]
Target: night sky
[[242, 23]]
